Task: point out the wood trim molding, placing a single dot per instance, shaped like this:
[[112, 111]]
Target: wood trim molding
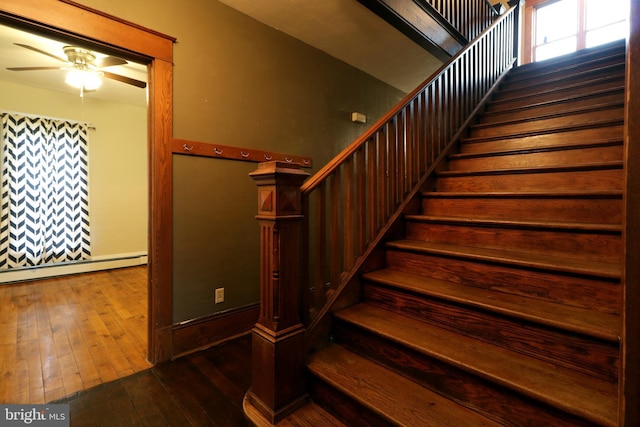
[[217, 151], [629, 361], [204, 332], [76, 22]]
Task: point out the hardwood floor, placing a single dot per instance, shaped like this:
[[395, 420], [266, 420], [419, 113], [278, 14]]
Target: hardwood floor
[[202, 389], [63, 335]]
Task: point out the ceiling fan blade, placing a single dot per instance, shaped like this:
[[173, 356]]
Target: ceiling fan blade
[[124, 79], [26, 46], [32, 68], [109, 61]]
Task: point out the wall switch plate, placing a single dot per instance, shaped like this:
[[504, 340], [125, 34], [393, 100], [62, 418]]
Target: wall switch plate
[[219, 295]]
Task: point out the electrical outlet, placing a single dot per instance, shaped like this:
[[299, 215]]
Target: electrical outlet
[[219, 295]]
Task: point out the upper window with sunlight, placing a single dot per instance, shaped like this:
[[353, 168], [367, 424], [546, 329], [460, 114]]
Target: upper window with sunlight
[[564, 26], [606, 21]]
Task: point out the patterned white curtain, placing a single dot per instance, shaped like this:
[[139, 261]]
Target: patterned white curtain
[[44, 212]]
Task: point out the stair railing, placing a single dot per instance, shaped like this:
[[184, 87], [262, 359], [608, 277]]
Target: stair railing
[[340, 214], [470, 18], [355, 197]]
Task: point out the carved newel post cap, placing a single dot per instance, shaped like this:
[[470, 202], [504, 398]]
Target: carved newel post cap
[[279, 188]]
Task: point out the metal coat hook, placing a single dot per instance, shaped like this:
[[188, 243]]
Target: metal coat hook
[[268, 157], [245, 155], [187, 148], [217, 150]]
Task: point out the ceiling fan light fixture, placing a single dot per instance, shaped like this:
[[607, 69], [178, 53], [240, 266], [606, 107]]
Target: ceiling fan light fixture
[[83, 79]]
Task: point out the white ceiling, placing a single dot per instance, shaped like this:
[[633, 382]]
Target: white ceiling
[[16, 56]]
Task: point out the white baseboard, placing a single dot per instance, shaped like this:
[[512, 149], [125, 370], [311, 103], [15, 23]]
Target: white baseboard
[[95, 264]]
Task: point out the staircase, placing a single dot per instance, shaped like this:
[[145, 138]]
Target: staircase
[[501, 304]]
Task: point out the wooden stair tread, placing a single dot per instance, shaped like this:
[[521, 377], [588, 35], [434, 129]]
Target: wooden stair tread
[[538, 69], [535, 169], [527, 260], [313, 415], [578, 58], [574, 319], [567, 226], [545, 131], [569, 145], [540, 88], [576, 393], [560, 113], [511, 194], [310, 414], [396, 398], [601, 66], [568, 99]]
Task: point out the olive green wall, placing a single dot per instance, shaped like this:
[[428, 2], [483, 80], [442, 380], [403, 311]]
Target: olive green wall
[[238, 82]]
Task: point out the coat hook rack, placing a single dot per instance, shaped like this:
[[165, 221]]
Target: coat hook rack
[[195, 148]]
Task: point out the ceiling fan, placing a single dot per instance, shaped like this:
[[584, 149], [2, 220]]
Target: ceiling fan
[[84, 69]]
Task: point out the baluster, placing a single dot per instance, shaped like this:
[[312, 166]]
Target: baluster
[[423, 159], [416, 136], [372, 187], [361, 216], [392, 172], [349, 217], [432, 120], [401, 149], [335, 230], [382, 177], [319, 246]]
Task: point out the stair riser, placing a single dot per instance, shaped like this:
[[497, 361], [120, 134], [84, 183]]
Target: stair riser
[[545, 158], [585, 292], [589, 356], [598, 180], [605, 68], [489, 399], [595, 246], [585, 210], [524, 98], [342, 406], [571, 120], [553, 108]]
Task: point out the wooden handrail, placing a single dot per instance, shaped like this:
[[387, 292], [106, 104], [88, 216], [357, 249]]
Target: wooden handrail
[[350, 202]]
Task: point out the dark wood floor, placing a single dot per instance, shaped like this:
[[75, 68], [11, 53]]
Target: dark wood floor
[[202, 389]]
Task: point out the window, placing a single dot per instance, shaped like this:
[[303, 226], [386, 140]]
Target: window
[[564, 26], [44, 200]]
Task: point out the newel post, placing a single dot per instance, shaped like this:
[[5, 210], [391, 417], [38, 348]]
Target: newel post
[[278, 341]]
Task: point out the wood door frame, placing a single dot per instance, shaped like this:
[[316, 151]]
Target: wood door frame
[[629, 401], [65, 18]]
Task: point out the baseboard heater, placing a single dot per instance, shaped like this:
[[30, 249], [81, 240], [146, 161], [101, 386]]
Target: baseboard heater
[[107, 262]]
